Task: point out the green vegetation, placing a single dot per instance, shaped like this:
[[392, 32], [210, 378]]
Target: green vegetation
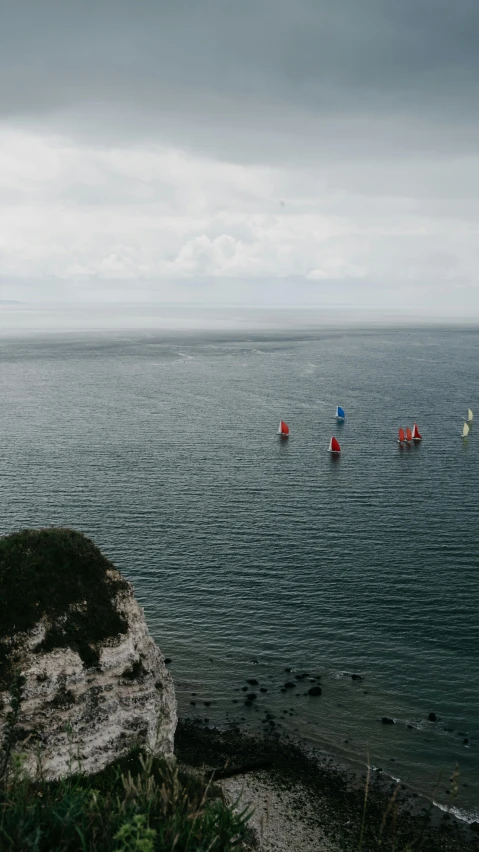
[[51, 572], [138, 804]]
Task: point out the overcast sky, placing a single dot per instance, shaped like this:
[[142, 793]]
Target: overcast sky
[[257, 152]]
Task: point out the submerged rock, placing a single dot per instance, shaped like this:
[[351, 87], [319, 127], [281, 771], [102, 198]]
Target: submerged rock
[[432, 717], [315, 690], [386, 720], [95, 683], [289, 684]]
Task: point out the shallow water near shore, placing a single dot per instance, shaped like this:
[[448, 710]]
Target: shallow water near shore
[[252, 555]]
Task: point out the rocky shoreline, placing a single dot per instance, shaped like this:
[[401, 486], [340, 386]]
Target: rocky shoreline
[[305, 801]]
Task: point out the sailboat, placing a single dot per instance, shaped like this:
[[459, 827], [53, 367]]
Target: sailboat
[[469, 415], [408, 434], [340, 413], [334, 446], [283, 429], [415, 433], [401, 437], [465, 430]]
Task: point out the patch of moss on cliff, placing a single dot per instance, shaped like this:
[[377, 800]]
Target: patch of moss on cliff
[[62, 575]]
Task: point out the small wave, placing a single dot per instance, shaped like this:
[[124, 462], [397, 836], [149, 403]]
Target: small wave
[[463, 815]]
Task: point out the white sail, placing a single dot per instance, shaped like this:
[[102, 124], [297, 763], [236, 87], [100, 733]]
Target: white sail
[[465, 430], [469, 415]]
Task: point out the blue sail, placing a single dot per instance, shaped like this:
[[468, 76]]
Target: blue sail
[[340, 412]]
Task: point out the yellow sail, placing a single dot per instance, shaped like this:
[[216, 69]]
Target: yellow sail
[[469, 415], [465, 430]]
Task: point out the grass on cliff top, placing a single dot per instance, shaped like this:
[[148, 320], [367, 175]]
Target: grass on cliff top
[[136, 805], [53, 572]]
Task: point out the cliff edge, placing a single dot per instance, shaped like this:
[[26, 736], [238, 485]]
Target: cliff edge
[[95, 684]]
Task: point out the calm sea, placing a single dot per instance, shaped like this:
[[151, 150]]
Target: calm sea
[[243, 548]]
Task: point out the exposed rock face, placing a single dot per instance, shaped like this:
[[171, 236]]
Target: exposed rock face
[[84, 708]]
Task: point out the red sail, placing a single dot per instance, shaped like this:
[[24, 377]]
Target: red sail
[[408, 434], [415, 433], [335, 448], [284, 428], [401, 435]]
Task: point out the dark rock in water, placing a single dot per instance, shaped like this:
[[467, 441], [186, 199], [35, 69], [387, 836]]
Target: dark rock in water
[[288, 670], [235, 701], [263, 689], [254, 661], [252, 681], [356, 677], [432, 717], [248, 704], [386, 720], [410, 727], [474, 826], [299, 677], [168, 660], [315, 690], [207, 703], [466, 741], [193, 703], [289, 684], [282, 689], [251, 696], [244, 688]]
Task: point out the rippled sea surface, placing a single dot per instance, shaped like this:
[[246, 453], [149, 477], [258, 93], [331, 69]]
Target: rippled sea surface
[[244, 548]]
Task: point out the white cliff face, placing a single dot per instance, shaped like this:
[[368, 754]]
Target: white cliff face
[[73, 717]]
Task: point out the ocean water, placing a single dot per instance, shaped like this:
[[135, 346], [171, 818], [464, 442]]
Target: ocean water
[[251, 555]]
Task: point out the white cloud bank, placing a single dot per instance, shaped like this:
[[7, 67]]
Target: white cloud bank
[[78, 220]]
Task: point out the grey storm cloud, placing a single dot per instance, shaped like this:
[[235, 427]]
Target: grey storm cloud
[[256, 79]]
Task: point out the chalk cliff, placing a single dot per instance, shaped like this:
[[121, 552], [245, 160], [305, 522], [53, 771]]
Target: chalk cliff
[[95, 682]]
